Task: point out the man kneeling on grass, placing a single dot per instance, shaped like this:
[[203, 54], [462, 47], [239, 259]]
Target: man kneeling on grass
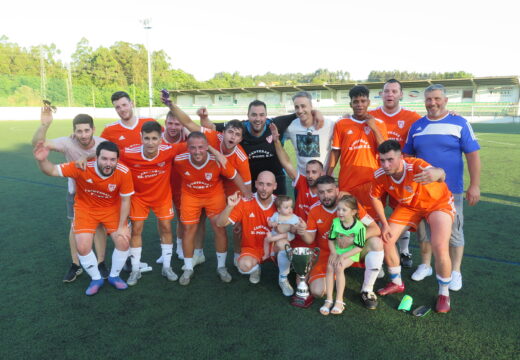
[[102, 197]]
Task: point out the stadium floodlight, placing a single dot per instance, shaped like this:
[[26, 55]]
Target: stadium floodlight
[[147, 25]]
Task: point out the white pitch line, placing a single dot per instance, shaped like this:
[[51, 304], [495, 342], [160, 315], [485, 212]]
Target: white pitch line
[[498, 142]]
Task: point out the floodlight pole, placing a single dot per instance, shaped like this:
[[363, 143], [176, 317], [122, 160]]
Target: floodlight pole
[[147, 24]]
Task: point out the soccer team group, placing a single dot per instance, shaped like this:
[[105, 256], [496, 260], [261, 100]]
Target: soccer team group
[[235, 173]]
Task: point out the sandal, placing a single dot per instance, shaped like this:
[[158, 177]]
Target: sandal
[[338, 310], [325, 309]]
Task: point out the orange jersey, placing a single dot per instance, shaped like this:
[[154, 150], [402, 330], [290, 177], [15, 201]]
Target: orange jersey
[[175, 178], [122, 135], [95, 191], [203, 180], [151, 176], [238, 159], [253, 217], [406, 191], [305, 198], [358, 151], [398, 124]]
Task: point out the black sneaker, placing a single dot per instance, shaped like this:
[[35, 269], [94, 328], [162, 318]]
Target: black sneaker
[[406, 260], [73, 272], [103, 270], [369, 299]]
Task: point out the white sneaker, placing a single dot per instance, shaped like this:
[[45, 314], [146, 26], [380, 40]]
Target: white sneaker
[[224, 274], [422, 272], [132, 279], [144, 267], [254, 277], [159, 260], [381, 273], [286, 287], [169, 274], [196, 260], [186, 277], [456, 281]]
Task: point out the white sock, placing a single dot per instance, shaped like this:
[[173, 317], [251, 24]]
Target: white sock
[[221, 259], [188, 263], [179, 245], [395, 275], [373, 263], [118, 261], [198, 252], [443, 285], [135, 257], [166, 252], [283, 264], [253, 269], [235, 257], [403, 242], [89, 263]]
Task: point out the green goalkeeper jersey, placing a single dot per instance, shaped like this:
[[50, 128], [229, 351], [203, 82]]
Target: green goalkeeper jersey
[[358, 230]]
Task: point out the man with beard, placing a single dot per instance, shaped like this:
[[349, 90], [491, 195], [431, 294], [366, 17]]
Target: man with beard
[[103, 193], [81, 144], [319, 224]]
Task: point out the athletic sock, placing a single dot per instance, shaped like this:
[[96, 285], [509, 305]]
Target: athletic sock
[[403, 242], [373, 263], [221, 259], [135, 257], [90, 264], [198, 252], [179, 245], [188, 263], [443, 285], [395, 275], [235, 258], [283, 264], [166, 252], [118, 261]]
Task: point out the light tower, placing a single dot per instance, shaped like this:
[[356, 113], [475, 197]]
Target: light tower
[[147, 25]]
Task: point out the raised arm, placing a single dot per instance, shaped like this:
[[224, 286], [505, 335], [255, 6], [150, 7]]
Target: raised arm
[[204, 119], [183, 118], [41, 152], [282, 154], [333, 160], [41, 132], [223, 217]]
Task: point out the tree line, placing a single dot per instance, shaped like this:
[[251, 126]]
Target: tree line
[[94, 74]]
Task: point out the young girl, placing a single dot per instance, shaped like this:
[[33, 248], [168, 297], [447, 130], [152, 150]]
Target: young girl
[[349, 227]]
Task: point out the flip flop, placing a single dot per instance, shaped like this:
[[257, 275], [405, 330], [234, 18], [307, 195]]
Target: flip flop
[[325, 309], [337, 310]]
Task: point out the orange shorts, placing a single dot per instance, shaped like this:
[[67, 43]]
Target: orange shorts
[[87, 220], [319, 271], [362, 195], [411, 217], [139, 209], [258, 254], [191, 206]]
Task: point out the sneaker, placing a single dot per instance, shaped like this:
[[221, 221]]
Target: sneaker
[[381, 273], [196, 261], [132, 279], [103, 270], [117, 282], [254, 277], [159, 260], [144, 267], [286, 287], [224, 275], [391, 288], [406, 260], [73, 272], [369, 299], [422, 272], [443, 304], [169, 274], [186, 277], [94, 287], [456, 281]]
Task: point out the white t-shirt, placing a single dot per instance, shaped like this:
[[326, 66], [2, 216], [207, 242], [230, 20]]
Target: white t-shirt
[[71, 148], [310, 143]]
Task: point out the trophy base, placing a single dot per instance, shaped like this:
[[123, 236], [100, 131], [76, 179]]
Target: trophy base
[[302, 303]]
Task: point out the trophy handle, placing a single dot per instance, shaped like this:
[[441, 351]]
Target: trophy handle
[[315, 255], [288, 251]]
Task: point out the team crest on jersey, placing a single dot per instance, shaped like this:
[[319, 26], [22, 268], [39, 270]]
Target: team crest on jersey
[[400, 123], [208, 176], [269, 139], [408, 188], [350, 132], [112, 187], [161, 164], [367, 130]]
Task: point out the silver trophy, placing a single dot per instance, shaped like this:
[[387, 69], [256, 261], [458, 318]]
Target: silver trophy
[[302, 260]]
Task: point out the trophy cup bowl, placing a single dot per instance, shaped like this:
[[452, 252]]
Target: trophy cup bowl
[[302, 260]]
